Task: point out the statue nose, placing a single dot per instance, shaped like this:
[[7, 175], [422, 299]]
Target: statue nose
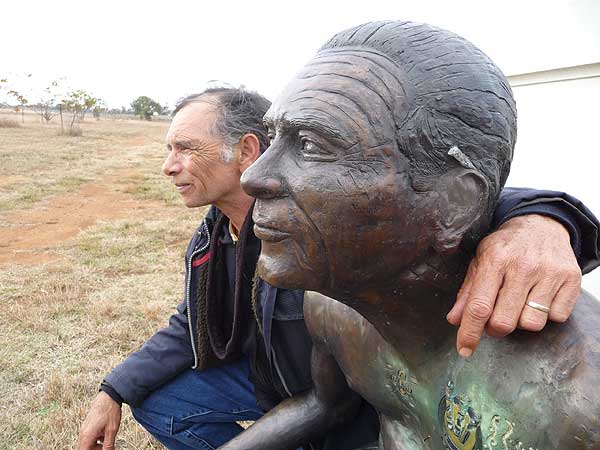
[[261, 186]]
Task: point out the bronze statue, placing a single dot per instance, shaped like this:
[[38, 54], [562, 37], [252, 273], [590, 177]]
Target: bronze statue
[[388, 151]]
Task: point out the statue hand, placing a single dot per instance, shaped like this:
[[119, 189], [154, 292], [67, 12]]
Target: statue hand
[[528, 259]]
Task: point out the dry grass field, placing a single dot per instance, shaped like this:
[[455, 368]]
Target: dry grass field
[[92, 238]]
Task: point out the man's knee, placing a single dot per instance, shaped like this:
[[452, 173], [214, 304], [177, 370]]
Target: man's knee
[[200, 406], [177, 435], [199, 431], [156, 424]]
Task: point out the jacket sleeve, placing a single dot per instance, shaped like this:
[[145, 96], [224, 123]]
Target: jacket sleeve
[[161, 358], [572, 213]]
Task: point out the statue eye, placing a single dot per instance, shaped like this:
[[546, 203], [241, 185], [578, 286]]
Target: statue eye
[[308, 146], [312, 151]]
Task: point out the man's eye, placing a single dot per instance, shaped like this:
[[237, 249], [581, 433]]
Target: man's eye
[[183, 152]]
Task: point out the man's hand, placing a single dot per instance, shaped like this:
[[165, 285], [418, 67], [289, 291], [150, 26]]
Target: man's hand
[[100, 425], [527, 261]]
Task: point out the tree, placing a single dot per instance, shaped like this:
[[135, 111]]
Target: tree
[[19, 90], [20, 93], [49, 98], [60, 92], [3, 87], [88, 103], [166, 111], [22, 102], [145, 107], [78, 102], [83, 101], [99, 108]]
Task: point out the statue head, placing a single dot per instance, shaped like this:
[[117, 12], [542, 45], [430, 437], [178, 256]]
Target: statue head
[[389, 148]]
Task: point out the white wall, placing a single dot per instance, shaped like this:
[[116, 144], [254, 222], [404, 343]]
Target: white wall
[[558, 145]]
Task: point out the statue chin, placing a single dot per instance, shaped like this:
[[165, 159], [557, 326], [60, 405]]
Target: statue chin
[[275, 272], [284, 273]]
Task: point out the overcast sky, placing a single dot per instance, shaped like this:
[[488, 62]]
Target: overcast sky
[[119, 50]]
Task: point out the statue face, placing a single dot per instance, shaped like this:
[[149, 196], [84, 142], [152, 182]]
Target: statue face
[[335, 209]]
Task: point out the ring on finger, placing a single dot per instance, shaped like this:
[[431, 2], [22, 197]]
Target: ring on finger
[[538, 306]]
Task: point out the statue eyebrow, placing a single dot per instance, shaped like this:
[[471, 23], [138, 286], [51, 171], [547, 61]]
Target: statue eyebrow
[[303, 123]]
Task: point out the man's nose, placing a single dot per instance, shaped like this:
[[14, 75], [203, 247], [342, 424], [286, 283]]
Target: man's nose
[[171, 165], [260, 183]]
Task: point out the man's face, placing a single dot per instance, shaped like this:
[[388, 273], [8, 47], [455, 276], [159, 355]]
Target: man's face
[[196, 161], [335, 209]]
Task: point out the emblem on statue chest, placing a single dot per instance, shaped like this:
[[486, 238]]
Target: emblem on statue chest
[[461, 426], [460, 423]]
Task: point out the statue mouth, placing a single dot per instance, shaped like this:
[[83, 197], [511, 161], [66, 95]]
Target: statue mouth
[[268, 234]]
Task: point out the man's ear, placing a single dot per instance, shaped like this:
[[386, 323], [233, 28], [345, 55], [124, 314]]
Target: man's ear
[[463, 196], [249, 151]]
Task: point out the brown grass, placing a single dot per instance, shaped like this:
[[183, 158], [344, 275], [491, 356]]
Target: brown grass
[[75, 304], [9, 123]]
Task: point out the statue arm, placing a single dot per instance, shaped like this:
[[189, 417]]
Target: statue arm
[[307, 416]]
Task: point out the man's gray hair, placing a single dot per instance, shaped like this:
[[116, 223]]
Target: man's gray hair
[[239, 112]]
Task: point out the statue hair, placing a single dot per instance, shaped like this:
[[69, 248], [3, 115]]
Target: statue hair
[[461, 108]]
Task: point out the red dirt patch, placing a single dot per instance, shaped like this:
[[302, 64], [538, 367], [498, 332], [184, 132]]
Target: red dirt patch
[[32, 236], [9, 179]]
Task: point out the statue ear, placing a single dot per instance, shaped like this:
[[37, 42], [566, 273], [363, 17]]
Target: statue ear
[[463, 196]]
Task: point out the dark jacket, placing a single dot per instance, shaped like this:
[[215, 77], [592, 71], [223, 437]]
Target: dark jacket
[[574, 215], [174, 348]]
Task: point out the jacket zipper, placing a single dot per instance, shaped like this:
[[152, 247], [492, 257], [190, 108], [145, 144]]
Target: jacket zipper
[[279, 373], [189, 314], [310, 445], [287, 390], [187, 292]]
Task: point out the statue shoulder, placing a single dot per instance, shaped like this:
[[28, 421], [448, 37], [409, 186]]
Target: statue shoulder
[[327, 318]]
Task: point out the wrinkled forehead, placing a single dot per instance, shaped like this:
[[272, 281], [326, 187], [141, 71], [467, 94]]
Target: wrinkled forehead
[[196, 118], [360, 90]]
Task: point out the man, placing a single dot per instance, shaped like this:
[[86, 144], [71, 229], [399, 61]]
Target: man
[[213, 139], [407, 135]]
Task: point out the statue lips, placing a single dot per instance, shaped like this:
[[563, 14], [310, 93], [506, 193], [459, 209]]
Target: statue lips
[[269, 234], [266, 225]]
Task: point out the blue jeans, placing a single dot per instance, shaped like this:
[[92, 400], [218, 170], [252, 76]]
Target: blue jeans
[[198, 409]]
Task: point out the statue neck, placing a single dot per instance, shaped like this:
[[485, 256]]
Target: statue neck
[[411, 314]]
